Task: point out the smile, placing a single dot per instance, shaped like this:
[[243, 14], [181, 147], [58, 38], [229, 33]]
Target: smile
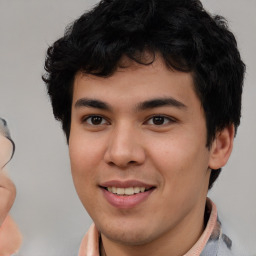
[[126, 191], [126, 195]]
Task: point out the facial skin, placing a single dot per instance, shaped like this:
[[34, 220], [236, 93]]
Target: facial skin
[[143, 124]]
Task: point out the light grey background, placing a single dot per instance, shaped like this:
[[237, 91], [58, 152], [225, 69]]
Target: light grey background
[[47, 209]]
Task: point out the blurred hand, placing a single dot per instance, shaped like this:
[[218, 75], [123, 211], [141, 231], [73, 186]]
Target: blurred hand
[[10, 236], [7, 195]]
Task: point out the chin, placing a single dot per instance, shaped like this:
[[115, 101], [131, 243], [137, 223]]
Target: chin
[[127, 235]]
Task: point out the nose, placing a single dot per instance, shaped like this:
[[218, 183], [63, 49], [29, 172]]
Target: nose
[[124, 148]]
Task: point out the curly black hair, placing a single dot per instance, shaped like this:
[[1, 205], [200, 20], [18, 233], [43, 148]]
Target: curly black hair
[[186, 36]]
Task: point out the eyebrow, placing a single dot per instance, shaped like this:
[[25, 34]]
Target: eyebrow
[[160, 102], [149, 104], [92, 103]]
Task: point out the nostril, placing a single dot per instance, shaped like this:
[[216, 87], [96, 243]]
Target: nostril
[[132, 162], [111, 163]]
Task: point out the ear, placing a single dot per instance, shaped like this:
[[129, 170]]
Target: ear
[[221, 147]]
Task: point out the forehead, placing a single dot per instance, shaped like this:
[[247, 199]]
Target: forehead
[[131, 78]]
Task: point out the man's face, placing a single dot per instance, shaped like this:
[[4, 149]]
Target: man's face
[[141, 132]]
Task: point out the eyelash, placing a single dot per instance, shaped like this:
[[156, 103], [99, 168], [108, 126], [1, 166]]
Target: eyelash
[[85, 120], [166, 120]]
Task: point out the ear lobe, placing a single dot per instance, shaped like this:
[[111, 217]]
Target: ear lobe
[[221, 147]]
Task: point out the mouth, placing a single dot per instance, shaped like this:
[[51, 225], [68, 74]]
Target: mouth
[[129, 191], [126, 194]]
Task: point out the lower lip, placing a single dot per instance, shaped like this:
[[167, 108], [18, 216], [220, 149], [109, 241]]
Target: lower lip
[[125, 202]]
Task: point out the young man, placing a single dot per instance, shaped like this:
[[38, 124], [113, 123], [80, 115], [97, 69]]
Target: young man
[[149, 96]]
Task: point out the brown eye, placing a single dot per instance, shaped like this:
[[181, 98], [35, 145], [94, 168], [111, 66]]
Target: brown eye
[[158, 120], [95, 120]]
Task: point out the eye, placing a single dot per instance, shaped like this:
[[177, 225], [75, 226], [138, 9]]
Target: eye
[[159, 120], [95, 120]]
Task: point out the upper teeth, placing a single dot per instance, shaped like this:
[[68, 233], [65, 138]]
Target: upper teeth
[[126, 191]]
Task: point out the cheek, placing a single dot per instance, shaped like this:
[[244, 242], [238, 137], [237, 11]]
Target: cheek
[[85, 152], [82, 158], [183, 171], [82, 172], [181, 162]]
